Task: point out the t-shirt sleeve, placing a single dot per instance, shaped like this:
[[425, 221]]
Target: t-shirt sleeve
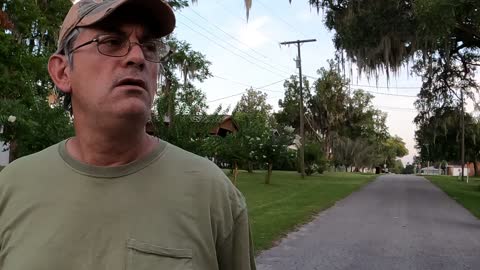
[[236, 250]]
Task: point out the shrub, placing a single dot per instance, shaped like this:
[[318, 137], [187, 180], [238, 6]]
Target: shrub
[[315, 160]]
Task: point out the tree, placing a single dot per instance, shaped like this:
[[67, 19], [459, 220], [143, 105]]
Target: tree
[[439, 132], [34, 129], [182, 61], [396, 30], [191, 101], [180, 115], [441, 36], [347, 121], [327, 105], [398, 167], [360, 116], [230, 149], [409, 169], [254, 103], [274, 147], [289, 115], [315, 160], [253, 115], [353, 152], [28, 36], [393, 147]]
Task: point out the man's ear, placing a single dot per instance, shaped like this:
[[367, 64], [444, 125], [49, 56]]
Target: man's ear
[[59, 71]]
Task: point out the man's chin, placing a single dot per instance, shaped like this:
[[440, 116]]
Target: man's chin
[[132, 110]]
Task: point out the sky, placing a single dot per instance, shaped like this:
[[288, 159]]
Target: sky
[[247, 54]]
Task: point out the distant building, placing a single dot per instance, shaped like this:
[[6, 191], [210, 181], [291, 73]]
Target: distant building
[[456, 170], [430, 171], [225, 126], [4, 153]]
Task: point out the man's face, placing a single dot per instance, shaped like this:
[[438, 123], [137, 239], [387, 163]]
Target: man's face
[[118, 87]]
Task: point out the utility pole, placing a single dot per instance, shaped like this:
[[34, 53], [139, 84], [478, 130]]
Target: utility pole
[[302, 128]]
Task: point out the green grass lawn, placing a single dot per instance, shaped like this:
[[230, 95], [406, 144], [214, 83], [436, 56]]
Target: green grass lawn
[[467, 195], [288, 201]]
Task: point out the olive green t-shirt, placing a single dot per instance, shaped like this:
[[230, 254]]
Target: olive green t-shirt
[[170, 210]]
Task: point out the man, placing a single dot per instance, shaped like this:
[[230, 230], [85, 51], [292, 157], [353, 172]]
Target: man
[[114, 197]]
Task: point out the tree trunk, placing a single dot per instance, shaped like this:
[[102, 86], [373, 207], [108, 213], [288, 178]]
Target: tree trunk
[[298, 164], [235, 172], [328, 144], [250, 167], [269, 173], [12, 151], [170, 101], [475, 168]]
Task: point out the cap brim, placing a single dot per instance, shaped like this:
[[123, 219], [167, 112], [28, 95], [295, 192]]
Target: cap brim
[[159, 13]]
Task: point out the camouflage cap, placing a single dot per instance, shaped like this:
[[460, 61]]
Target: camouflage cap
[[88, 12]]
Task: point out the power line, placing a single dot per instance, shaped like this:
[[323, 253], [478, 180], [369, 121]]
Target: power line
[[255, 88], [374, 86], [240, 83], [386, 87], [233, 37], [222, 98], [380, 87], [236, 54], [263, 88], [225, 8], [234, 46], [295, 30], [248, 85], [396, 108], [388, 94], [270, 84], [232, 52], [219, 3]]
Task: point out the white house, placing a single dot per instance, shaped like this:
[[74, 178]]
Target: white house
[[456, 170], [4, 155], [430, 171]]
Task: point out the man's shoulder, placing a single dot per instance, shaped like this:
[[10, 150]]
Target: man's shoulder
[[207, 174], [175, 155], [30, 164]]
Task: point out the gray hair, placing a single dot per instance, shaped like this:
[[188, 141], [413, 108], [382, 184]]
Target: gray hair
[[65, 49]]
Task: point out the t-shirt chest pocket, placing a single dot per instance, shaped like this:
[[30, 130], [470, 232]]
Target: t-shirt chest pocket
[[144, 256]]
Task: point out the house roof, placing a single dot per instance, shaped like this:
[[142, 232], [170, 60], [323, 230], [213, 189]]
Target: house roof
[[430, 168]]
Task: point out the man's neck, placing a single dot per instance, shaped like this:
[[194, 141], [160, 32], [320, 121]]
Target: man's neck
[[111, 147]]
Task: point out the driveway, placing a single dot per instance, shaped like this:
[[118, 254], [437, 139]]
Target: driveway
[[395, 222]]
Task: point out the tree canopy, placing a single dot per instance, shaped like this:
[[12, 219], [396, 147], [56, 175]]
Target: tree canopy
[[28, 33]]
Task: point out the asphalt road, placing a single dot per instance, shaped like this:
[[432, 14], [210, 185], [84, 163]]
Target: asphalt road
[[395, 222]]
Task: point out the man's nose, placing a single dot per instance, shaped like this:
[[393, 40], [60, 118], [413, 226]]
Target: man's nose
[[135, 54]]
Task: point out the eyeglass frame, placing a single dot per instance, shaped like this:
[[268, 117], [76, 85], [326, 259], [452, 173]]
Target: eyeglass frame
[[130, 46]]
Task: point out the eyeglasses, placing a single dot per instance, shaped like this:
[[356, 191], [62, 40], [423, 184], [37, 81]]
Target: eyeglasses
[[118, 46]]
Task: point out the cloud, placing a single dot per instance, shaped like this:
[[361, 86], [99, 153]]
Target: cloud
[[305, 16], [251, 33]]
